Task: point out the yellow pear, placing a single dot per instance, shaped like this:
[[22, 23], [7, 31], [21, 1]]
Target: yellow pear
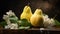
[[27, 13], [37, 19]]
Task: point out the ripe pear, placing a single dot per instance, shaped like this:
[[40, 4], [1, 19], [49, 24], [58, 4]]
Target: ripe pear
[[27, 13], [37, 19]]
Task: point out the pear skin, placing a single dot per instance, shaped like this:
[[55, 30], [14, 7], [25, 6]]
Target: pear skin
[[27, 13], [37, 19]]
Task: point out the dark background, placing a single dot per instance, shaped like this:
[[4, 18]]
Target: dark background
[[50, 7]]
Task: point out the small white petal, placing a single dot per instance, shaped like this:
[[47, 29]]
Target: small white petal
[[14, 26]]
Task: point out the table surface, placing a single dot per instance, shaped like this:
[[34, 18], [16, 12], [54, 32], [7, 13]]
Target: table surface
[[50, 29], [31, 31]]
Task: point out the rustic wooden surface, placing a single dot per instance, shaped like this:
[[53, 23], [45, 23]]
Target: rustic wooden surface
[[53, 30]]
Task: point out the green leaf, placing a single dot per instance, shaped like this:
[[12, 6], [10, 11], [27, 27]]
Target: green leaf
[[13, 19], [24, 22], [57, 22], [3, 23], [22, 27]]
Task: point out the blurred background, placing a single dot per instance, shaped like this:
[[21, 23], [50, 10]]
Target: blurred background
[[50, 7]]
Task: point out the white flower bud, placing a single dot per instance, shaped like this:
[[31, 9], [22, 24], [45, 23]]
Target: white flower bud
[[10, 13], [14, 26], [48, 21]]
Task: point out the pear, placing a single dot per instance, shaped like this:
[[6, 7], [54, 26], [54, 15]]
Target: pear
[[27, 13], [37, 18]]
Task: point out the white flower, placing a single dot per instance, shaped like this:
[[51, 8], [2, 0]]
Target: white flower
[[52, 21], [6, 18], [11, 26], [14, 26], [10, 13], [48, 21], [7, 27]]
